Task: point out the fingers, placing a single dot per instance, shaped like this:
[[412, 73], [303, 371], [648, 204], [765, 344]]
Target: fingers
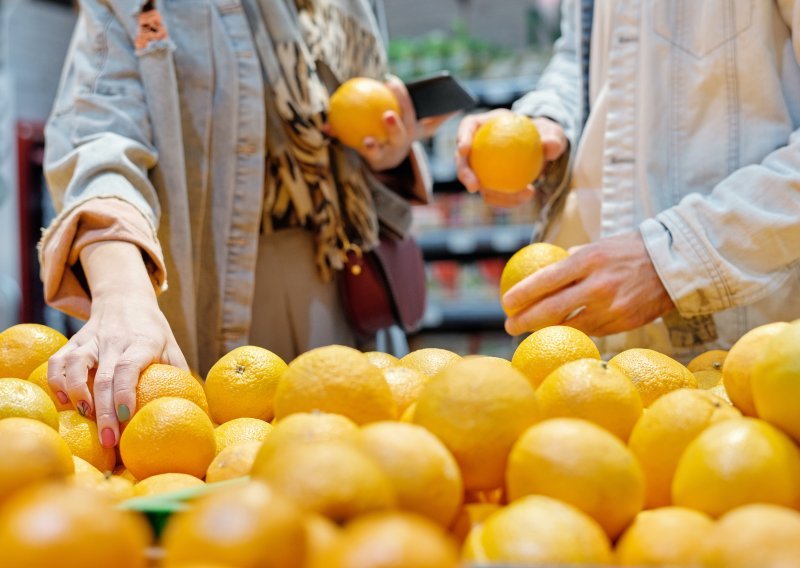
[[78, 363], [552, 310], [57, 372], [396, 130], [466, 132], [542, 283], [554, 139], [465, 174], [407, 112], [126, 375], [106, 415]]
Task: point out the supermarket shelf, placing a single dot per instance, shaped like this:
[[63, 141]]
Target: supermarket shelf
[[473, 242], [463, 315]]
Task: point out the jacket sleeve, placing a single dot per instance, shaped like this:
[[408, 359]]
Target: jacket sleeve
[[97, 156], [740, 243], [557, 95]]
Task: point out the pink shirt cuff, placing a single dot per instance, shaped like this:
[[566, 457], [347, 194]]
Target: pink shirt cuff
[[92, 221]]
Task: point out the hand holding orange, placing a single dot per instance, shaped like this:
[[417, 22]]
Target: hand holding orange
[[356, 111], [507, 153]]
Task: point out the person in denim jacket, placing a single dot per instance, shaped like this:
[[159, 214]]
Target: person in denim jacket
[[671, 131], [187, 148]]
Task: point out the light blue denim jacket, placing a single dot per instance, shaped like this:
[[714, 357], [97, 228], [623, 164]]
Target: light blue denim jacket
[[175, 130], [701, 148]]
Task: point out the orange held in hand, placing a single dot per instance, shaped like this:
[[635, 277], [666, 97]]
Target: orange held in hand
[[507, 153], [356, 111]]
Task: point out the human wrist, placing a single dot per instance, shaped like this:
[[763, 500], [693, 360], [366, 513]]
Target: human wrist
[[116, 269]]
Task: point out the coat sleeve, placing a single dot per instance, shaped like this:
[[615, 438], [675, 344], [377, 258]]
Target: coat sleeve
[[741, 242], [98, 154]]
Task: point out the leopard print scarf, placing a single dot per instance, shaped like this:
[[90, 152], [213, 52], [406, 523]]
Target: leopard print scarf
[[311, 180]]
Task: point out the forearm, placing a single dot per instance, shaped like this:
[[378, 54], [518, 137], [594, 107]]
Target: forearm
[[116, 269]]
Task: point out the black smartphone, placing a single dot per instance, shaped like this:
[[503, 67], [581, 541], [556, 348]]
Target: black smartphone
[[439, 94]]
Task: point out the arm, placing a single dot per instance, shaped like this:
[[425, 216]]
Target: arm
[[555, 109], [706, 265], [100, 257]]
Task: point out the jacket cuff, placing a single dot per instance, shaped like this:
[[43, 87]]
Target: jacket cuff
[[94, 220], [686, 269], [411, 179], [545, 104]]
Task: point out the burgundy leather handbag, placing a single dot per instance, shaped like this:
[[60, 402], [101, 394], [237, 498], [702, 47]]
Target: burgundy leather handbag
[[384, 287]]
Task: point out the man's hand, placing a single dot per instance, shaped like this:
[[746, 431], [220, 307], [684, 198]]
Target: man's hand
[[602, 288], [554, 143]]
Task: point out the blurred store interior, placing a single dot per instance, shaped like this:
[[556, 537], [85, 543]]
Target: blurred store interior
[[497, 47]]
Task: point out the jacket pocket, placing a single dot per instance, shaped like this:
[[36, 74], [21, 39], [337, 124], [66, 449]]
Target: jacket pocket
[[700, 27]]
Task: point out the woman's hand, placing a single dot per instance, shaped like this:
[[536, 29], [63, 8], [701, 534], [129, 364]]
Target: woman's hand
[[402, 130], [125, 333], [554, 144]]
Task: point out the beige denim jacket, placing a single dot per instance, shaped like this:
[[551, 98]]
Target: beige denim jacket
[[158, 139], [693, 140]]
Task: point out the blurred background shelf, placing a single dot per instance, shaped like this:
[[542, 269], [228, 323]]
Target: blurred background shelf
[[468, 243]]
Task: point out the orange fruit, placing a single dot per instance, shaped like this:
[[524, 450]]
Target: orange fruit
[[21, 398], [506, 153], [306, 428], [81, 436], [429, 361], [25, 346], [720, 391], [661, 435], [243, 383], [60, 525], [671, 536], [31, 452], [470, 516], [478, 408], [545, 350], [357, 108], [381, 359], [590, 389], [760, 535], [39, 378], [112, 487], [653, 373], [234, 461], [322, 534], [392, 540], [742, 357], [707, 380], [581, 464], [334, 479], [735, 463], [528, 260], [241, 430], [335, 379], [422, 471], [775, 381], [166, 483], [159, 380], [709, 361], [538, 530], [168, 435], [241, 525], [405, 384]]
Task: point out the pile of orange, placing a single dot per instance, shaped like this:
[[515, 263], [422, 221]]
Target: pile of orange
[[366, 460]]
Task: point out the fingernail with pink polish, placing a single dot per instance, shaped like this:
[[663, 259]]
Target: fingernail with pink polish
[[107, 438], [62, 397], [391, 120]]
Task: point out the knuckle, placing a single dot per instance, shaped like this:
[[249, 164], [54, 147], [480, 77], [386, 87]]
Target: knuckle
[[105, 415]]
